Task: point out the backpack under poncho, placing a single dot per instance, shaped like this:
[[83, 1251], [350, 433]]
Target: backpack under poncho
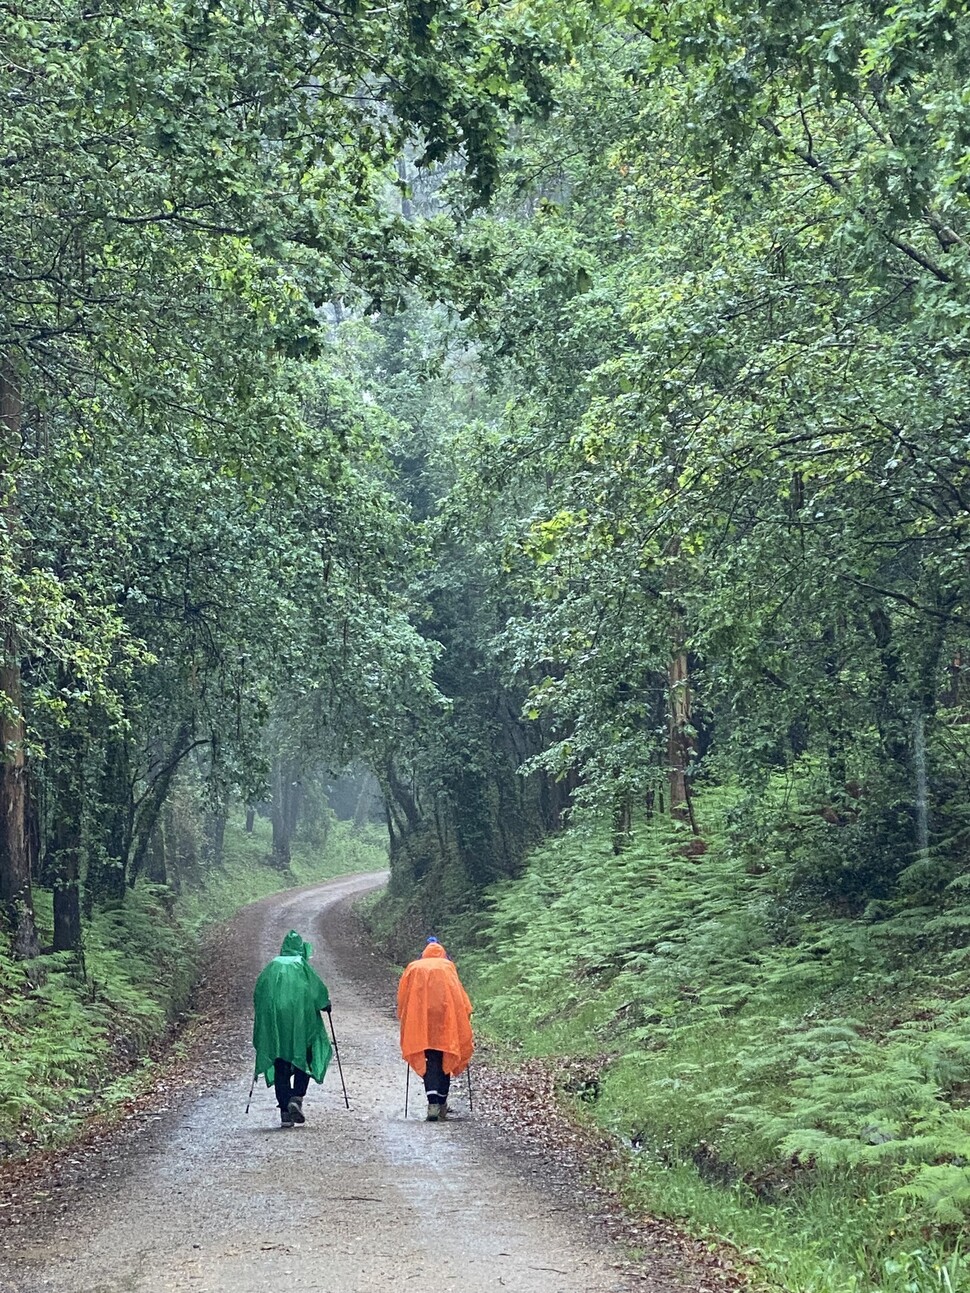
[[435, 1012], [288, 998]]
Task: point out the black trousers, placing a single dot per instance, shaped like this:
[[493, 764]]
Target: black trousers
[[437, 1083], [283, 1072]]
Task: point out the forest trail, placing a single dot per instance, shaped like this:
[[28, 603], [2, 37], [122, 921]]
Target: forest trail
[[213, 1201]]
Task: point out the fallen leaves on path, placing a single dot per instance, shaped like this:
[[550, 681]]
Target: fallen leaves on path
[[524, 1103]]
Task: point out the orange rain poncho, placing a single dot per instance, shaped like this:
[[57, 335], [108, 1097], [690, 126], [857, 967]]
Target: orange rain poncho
[[434, 1011]]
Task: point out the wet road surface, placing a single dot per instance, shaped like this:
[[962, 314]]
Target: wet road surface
[[215, 1201]]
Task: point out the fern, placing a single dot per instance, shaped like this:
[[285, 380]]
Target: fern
[[943, 1191], [809, 1055]]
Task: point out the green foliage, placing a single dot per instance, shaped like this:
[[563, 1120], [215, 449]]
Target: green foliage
[[710, 415], [200, 533], [459, 813], [668, 493], [769, 1061], [728, 319]]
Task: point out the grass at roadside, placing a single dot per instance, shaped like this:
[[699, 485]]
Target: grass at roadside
[[244, 875], [74, 1042], [789, 1081]]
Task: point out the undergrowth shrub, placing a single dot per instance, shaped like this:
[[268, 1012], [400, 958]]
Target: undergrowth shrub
[[782, 1059]]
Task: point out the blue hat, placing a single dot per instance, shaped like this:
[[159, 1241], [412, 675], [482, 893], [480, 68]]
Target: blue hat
[[432, 939]]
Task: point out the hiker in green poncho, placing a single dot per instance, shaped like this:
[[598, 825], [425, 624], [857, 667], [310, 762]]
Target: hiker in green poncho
[[291, 1042]]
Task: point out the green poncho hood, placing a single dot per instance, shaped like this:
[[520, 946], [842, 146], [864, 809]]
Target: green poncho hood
[[293, 945], [288, 998]]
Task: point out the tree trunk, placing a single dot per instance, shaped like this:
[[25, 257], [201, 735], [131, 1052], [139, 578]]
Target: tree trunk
[[15, 878], [365, 801], [15, 884], [392, 835], [836, 737], [154, 799], [250, 820], [63, 862], [401, 795], [556, 798], [34, 829], [292, 798], [440, 824], [16, 895], [680, 744], [622, 833], [107, 866], [678, 738], [66, 864], [893, 727], [279, 819], [282, 855], [162, 848], [215, 837]]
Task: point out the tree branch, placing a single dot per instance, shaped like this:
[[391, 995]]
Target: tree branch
[[837, 186]]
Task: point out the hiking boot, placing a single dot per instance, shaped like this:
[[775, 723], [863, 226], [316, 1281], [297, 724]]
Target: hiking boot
[[286, 1118], [295, 1110], [433, 1112], [443, 1111]]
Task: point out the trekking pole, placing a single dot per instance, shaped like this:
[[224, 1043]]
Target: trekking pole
[[252, 1087], [337, 1056], [407, 1086], [468, 1078]]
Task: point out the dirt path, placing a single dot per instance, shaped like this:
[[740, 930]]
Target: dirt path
[[213, 1201]]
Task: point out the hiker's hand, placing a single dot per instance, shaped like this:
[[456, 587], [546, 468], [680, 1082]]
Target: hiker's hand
[[328, 1009]]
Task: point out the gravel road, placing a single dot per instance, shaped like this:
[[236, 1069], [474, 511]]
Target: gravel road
[[214, 1201]]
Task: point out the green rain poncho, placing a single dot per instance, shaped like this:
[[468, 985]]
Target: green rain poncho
[[288, 998]]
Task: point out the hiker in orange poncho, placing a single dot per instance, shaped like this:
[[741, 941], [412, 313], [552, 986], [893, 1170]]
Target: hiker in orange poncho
[[436, 1031]]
